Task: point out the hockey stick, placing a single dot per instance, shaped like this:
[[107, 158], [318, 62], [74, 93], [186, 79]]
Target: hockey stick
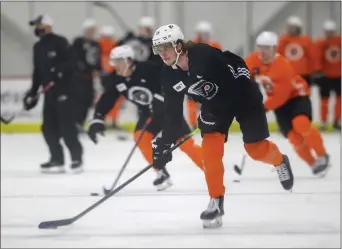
[[9, 119], [58, 223], [238, 169], [107, 191], [113, 13]]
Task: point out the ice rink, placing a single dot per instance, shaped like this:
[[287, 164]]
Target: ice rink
[[259, 213]]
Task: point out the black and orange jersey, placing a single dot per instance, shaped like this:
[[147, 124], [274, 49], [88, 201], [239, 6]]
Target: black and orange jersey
[[278, 79]]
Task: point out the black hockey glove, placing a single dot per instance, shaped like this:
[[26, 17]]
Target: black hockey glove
[[96, 126], [160, 159], [30, 100]]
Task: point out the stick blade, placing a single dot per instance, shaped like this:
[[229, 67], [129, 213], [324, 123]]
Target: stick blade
[[55, 224], [106, 191], [237, 169]]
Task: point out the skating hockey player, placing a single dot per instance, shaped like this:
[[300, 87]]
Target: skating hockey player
[[221, 82], [139, 83], [298, 49], [86, 55], [287, 94], [328, 56], [52, 63]]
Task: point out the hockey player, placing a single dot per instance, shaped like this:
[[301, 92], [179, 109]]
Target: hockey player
[[142, 41], [203, 35], [86, 54], [298, 49], [139, 83], [52, 63], [329, 64], [221, 82], [288, 95]]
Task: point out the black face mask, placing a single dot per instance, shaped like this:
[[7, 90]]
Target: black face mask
[[39, 32]]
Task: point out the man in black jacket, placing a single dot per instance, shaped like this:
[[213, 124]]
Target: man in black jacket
[[53, 66]]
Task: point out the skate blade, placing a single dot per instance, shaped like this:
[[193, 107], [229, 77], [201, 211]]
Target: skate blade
[[54, 170], [77, 170], [215, 223], [165, 185], [323, 173]]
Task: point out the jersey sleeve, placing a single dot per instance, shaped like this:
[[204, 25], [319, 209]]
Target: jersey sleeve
[[36, 77], [108, 98], [311, 53], [282, 86], [281, 45], [319, 54], [66, 63]]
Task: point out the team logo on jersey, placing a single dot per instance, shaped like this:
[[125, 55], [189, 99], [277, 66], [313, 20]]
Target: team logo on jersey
[[333, 54], [143, 81], [294, 51], [52, 54], [141, 51], [140, 95], [121, 87], [179, 86], [204, 88]]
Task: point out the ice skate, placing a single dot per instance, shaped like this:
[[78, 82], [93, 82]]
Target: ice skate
[[76, 167], [163, 180], [321, 166], [212, 216], [323, 127], [52, 167], [285, 173]]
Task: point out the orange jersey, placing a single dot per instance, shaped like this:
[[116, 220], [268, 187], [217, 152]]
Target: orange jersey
[[280, 81], [328, 56], [106, 46], [211, 43], [300, 51]]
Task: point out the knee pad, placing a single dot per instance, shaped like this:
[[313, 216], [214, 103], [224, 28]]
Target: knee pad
[[302, 125]]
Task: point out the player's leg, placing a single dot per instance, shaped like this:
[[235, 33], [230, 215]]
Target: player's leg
[[324, 91], [52, 136], [336, 87]]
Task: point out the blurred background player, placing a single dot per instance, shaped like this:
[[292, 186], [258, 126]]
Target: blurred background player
[[288, 95], [298, 49], [204, 32], [329, 65], [53, 64], [86, 54], [139, 83], [107, 43], [141, 42]]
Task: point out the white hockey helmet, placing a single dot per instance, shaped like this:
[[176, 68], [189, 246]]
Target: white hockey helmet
[[121, 52], [295, 21], [88, 23], [204, 27], [329, 25], [170, 33], [147, 22], [107, 30], [267, 38]]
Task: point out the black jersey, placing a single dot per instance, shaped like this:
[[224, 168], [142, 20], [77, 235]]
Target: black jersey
[[86, 55], [142, 88], [214, 79]]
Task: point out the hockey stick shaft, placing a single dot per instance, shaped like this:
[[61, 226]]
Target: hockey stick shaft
[[129, 156], [66, 222], [9, 119], [113, 13]]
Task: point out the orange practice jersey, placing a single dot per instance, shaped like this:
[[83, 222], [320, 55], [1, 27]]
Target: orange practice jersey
[[300, 51], [328, 56], [106, 46], [280, 81], [211, 43]]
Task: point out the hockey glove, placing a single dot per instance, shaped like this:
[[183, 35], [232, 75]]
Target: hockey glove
[[160, 155], [96, 126], [30, 100]]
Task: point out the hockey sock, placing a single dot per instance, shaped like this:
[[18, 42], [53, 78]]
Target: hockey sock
[[303, 151], [312, 138], [324, 109], [145, 144], [264, 151], [337, 115], [193, 151], [192, 112], [213, 150]]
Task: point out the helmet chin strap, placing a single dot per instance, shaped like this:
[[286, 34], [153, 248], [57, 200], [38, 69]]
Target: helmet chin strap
[[177, 58]]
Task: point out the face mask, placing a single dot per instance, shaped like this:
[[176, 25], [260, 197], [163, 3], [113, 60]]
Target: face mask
[[39, 32]]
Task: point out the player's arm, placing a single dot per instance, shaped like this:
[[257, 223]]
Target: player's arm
[[281, 86], [319, 55], [281, 45], [311, 54]]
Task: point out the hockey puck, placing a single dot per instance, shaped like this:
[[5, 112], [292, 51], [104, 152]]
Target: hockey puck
[[236, 180], [94, 194]]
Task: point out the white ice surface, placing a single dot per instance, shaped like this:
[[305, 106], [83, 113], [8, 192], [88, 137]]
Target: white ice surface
[[259, 213]]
